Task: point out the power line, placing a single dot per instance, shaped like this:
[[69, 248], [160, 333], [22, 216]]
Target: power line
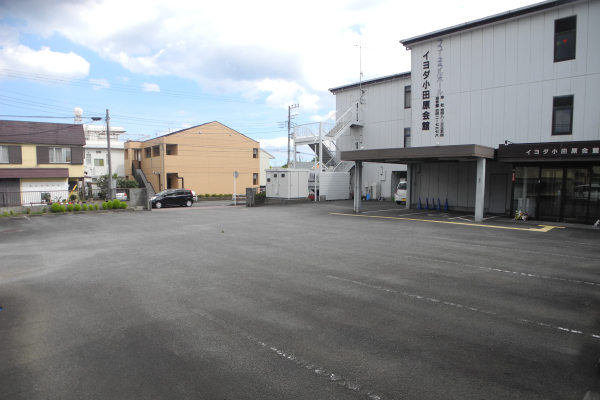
[[120, 87]]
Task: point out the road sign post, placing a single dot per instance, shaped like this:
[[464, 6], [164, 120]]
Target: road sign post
[[235, 175]]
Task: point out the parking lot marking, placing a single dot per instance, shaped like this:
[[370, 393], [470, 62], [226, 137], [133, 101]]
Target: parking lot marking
[[456, 305], [523, 274], [544, 228]]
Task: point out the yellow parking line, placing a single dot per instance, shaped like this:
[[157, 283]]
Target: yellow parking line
[[544, 228]]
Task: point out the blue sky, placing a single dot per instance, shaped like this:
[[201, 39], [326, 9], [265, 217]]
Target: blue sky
[[163, 66]]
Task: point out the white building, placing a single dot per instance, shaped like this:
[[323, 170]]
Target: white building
[[265, 164], [96, 151], [497, 115]]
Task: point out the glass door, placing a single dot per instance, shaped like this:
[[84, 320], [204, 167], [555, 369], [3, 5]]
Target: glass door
[[577, 194], [594, 205], [551, 181]]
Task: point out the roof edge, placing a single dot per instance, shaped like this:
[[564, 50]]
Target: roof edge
[[371, 81], [196, 126], [518, 12]]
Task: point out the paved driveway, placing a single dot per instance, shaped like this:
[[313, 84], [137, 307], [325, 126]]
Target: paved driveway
[[296, 302]]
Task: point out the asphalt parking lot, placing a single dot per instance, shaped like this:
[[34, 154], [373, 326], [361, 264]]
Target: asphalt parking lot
[[308, 301]]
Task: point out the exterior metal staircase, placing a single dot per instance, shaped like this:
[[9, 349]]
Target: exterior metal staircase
[[324, 134], [140, 178]]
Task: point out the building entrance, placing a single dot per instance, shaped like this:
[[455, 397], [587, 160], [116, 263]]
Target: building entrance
[[569, 193]]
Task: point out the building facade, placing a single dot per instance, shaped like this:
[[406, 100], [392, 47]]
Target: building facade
[[96, 152], [202, 158], [385, 113], [504, 114], [39, 162], [265, 164]]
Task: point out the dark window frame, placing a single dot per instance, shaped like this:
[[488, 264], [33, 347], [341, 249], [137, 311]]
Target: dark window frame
[[562, 103], [563, 28], [407, 130], [407, 96]]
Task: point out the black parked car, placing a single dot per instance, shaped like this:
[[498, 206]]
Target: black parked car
[[173, 197]]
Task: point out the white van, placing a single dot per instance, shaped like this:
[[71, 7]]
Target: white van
[[400, 195]]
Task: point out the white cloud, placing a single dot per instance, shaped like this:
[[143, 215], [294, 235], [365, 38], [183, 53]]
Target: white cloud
[[278, 143], [150, 87], [283, 60], [44, 61], [100, 84], [319, 118]]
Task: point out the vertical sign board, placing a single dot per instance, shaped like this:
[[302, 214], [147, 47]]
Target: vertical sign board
[[436, 63]]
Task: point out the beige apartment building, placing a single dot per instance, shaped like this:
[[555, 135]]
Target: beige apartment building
[[202, 158]]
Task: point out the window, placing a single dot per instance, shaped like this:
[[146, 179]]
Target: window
[[565, 31], [148, 152], [98, 162], [88, 158], [255, 179], [59, 154], [98, 151], [155, 151], [562, 115], [406, 137], [407, 94], [3, 154], [171, 150], [254, 153]]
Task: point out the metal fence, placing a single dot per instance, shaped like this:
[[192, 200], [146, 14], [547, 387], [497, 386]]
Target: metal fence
[[10, 199]]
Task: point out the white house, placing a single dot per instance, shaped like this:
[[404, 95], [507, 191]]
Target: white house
[[265, 159], [497, 115], [96, 151]]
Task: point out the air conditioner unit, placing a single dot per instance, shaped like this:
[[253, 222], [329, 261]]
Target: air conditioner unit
[[375, 191]]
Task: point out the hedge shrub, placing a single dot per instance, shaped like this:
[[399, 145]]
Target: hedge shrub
[[96, 207], [63, 208], [200, 195], [77, 207], [55, 207], [123, 205], [105, 205], [116, 203], [207, 195], [85, 207], [71, 207], [110, 204]]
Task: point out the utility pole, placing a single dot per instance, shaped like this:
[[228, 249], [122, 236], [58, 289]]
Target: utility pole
[[162, 153], [289, 124], [110, 179]]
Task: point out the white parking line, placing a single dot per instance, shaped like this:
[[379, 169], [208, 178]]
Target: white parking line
[[461, 217], [320, 371], [448, 303], [522, 274]]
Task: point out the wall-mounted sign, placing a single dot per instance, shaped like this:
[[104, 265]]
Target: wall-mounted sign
[[551, 151]]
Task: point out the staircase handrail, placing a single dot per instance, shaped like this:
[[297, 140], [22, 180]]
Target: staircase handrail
[[342, 121]]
